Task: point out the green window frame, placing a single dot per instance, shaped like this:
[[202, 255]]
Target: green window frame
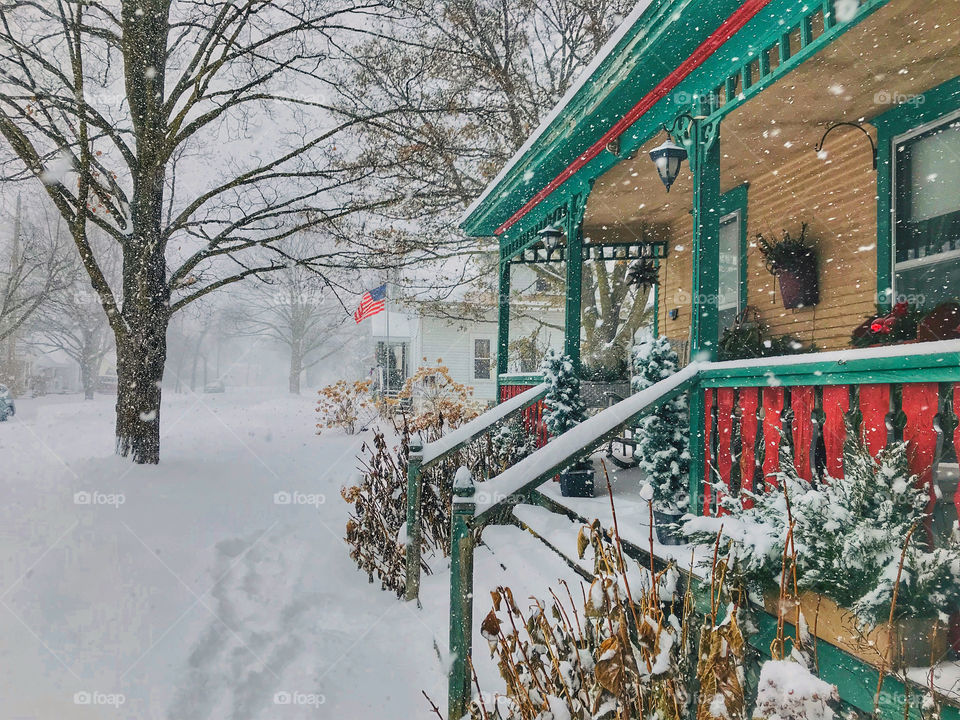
[[907, 121], [733, 207]]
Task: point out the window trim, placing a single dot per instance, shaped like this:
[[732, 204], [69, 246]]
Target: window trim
[[895, 125], [491, 358], [734, 201], [897, 140]]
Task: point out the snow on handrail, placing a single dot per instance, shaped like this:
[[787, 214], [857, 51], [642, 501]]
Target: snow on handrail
[[479, 425], [839, 356], [559, 452]]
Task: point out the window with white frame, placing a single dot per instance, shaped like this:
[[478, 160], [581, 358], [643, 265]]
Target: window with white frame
[[927, 213], [728, 294], [481, 359]]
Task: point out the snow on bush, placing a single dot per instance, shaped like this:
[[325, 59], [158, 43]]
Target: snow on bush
[[663, 436], [849, 535], [621, 655], [789, 691]]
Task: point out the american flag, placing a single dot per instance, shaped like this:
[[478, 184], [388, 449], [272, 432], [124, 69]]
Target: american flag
[[372, 302]]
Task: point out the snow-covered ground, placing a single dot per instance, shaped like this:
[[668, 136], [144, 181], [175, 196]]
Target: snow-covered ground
[[192, 589]]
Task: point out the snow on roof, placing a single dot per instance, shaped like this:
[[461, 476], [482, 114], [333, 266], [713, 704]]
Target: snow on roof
[[575, 88]]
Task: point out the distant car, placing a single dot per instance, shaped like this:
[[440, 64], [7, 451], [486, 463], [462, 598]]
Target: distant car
[[214, 387], [7, 408]]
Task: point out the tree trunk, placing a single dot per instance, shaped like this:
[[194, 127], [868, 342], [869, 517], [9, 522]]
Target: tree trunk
[[140, 360], [88, 376], [296, 368]]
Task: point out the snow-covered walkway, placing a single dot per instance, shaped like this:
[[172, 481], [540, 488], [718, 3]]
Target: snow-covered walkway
[[216, 585]]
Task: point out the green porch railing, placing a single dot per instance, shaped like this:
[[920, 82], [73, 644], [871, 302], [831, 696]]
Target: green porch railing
[[856, 679], [424, 456]]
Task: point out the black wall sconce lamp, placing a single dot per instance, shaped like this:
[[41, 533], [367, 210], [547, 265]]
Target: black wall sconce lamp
[[873, 146], [669, 156]]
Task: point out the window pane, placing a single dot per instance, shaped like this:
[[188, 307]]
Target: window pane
[[928, 207], [729, 288], [928, 284], [481, 359]]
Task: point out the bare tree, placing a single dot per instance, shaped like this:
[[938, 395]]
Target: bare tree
[[73, 322], [292, 308], [34, 266], [470, 80], [191, 132]]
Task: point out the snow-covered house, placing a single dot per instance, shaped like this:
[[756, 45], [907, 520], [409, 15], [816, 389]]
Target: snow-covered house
[[462, 336], [701, 125]]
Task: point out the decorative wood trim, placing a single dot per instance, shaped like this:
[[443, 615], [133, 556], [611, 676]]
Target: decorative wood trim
[[772, 434], [875, 407], [836, 405], [749, 407], [802, 400], [921, 403], [725, 397]]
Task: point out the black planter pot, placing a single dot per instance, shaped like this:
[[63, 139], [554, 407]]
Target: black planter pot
[[668, 527], [577, 481], [800, 285]]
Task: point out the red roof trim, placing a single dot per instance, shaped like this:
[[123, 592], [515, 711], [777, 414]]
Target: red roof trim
[[718, 37]]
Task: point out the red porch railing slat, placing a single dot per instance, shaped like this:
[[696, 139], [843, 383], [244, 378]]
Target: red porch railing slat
[[921, 403], [802, 401], [836, 405], [772, 428], [725, 397], [956, 441], [707, 455], [875, 406], [749, 403]]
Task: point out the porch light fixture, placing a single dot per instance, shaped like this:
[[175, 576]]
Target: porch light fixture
[[668, 156], [873, 145], [551, 235]]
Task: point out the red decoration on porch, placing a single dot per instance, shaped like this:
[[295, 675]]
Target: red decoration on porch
[[802, 401], [707, 459], [920, 405], [874, 406], [772, 426], [836, 404], [749, 403], [724, 437]]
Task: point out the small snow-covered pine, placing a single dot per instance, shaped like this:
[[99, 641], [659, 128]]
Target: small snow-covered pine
[[564, 408], [663, 436]]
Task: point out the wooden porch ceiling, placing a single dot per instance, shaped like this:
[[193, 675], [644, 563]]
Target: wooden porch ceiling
[[902, 50]]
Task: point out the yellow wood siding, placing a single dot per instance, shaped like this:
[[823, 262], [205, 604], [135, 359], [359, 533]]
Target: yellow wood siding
[[838, 201]]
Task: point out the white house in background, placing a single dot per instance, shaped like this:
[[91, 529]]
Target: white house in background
[[467, 347]]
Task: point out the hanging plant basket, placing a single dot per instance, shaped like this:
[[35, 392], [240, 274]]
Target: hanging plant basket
[[793, 261], [800, 286]]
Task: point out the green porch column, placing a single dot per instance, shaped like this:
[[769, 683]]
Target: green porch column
[[574, 258], [461, 594], [704, 331], [705, 164], [503, 320], [412, 590]]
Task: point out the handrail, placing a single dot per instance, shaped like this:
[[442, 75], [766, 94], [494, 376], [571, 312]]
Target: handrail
[[578, 442], [920, 362], [479, 425], [422, 456]]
